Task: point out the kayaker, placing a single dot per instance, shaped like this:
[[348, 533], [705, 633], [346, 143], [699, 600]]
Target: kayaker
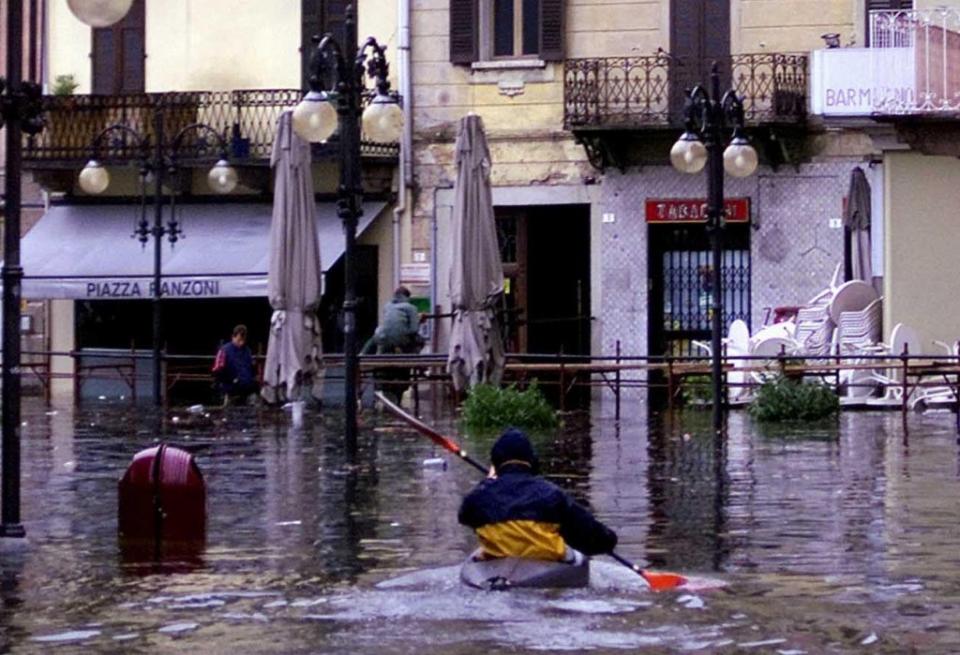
[[516, 513]]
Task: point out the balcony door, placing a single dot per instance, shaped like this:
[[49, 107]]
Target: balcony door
[[119, 54], [318, 17], [699, 34]]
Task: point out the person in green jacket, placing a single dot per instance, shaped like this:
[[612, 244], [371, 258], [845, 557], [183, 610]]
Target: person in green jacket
[[397, 334]]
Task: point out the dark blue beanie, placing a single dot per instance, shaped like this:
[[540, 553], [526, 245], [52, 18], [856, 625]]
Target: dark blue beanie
[[514, 445]]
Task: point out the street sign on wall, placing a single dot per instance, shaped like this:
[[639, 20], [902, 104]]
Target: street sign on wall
[[694, 210]]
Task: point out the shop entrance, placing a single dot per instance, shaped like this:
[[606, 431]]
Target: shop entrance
[[681, 273], [546, 262]]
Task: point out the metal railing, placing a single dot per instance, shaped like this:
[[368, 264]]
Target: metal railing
[[247, 118], [649, 91], [923, 46]]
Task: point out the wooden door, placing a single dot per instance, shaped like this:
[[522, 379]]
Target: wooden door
[[319, 17], [699, 35], [512, 239], [119, 54]]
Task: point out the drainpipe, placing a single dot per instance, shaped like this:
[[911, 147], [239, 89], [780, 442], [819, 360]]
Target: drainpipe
[[406, 139]]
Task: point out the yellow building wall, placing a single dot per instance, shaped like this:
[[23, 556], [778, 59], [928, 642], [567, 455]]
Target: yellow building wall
[[922, 245], [210, 45], [792, 25], [62, 339]]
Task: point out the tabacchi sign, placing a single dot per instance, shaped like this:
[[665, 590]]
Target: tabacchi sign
[[694, 210]]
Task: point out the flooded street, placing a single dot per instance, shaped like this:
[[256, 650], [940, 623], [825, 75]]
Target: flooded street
[[841, 538]]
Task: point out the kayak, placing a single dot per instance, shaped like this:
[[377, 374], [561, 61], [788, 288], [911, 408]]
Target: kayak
[[508, 572]]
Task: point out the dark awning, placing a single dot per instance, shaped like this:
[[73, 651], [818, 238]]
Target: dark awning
[[87, 251]]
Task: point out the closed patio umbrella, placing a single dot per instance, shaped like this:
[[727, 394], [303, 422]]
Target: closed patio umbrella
[[294, 281], [857, 221], [476, 278]]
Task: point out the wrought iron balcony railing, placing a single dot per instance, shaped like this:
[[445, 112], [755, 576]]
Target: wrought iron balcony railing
[[246, 118], [915, 61], [649, 91]]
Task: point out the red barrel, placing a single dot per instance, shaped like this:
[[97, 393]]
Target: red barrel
[[163, 500]]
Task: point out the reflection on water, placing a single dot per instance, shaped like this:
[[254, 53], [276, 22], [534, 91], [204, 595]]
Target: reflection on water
[[834, 538]]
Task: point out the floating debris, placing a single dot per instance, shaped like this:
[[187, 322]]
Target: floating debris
[[73, 635], [177, 628]]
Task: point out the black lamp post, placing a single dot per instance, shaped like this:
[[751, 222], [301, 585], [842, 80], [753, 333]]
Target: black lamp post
[[335, 98], [708, 116], [94, 179], [20, 109]]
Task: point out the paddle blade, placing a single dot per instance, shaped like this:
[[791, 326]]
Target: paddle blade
[[662, 581]]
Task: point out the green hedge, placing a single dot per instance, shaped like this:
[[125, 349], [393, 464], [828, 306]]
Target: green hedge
[[489, 407], [783, 399]]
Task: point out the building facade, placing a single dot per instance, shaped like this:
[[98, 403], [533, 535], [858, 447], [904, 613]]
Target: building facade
[[204, 80], [899, 89], [603, 241]]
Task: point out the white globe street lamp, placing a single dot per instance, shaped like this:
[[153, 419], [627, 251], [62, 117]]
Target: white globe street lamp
[[223, 177], [383, 119], [315, 118], [94, 178], [688, 154], [100, 13], [740, 159]]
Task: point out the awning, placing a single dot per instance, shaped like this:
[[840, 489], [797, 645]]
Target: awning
[[87, 251]]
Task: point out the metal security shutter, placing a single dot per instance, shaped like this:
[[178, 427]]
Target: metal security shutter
[[119, 54], [551, 30], [463, 31]]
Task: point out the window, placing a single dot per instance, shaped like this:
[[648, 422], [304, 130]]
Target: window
[[506, 29], [515, 28]]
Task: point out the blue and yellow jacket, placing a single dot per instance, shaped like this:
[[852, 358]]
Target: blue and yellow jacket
[[519, 514]]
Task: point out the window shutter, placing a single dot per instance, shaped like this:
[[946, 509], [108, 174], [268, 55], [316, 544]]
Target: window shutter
[[318, 17], [133, 31], [334, 13], [551, 30], [104, 60], [890, 5], [311, 23], [463, 31], [118, 56]]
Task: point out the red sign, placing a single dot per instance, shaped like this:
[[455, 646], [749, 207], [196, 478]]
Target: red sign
[[693, 210]]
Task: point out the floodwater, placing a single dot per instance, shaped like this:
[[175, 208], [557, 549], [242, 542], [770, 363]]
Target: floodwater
[[839, 538]]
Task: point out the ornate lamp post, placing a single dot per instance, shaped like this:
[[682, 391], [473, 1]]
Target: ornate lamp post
[[708, 116], [335, 98], [20, 109], [95, 178]]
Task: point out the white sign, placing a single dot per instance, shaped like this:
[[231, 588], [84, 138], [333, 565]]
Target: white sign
[[415, 273], [134, 288], [862, 81]]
